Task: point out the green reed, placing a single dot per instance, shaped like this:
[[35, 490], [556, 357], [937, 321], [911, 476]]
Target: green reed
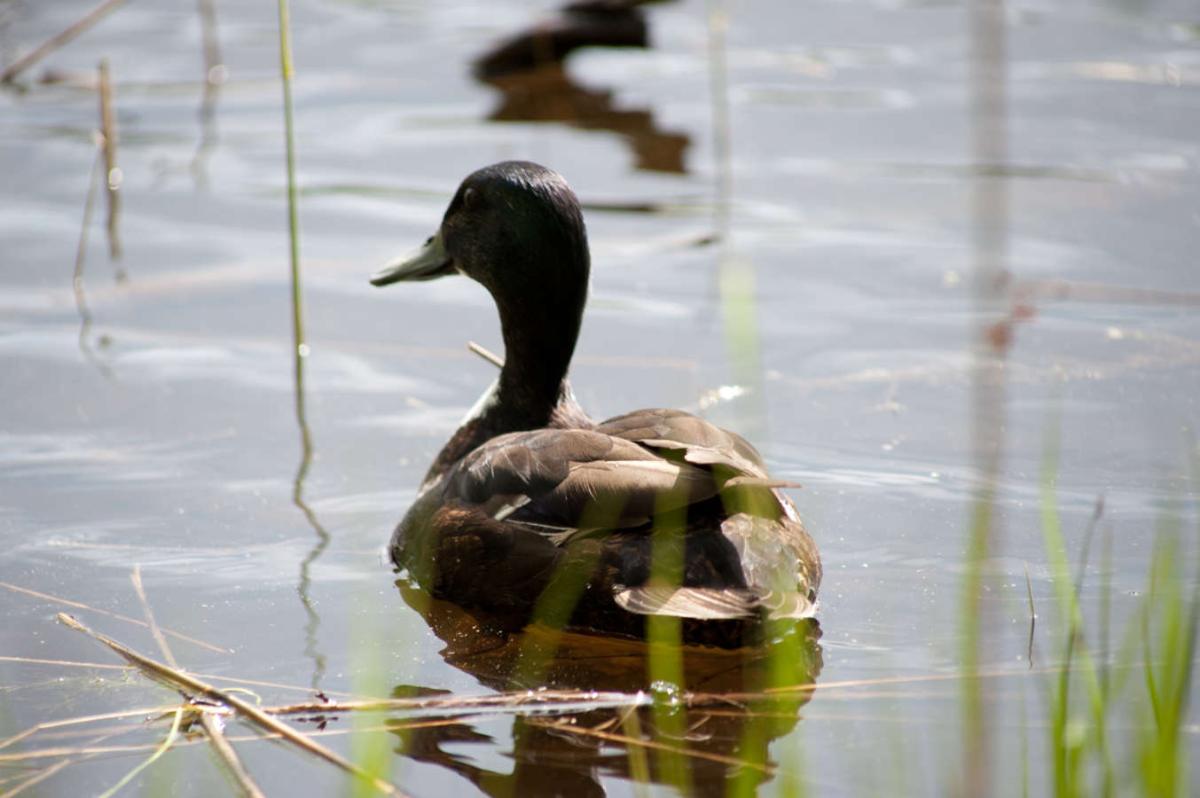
[[1085, 691], [664, 640], [299, 347]]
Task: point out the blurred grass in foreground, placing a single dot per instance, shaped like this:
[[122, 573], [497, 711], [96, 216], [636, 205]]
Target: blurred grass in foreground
[[1088, 689]]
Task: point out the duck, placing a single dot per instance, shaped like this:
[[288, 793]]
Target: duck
[[533, 511]]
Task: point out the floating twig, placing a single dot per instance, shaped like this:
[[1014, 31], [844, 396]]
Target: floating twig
[[53, 43], [179, 680], [224, 749]]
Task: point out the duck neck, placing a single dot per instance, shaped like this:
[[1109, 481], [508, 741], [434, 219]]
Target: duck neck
[[539, 339]]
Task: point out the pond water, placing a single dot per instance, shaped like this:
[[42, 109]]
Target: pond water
[[820, 153]]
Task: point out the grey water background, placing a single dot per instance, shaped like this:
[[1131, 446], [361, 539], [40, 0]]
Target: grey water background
[[170, 441]]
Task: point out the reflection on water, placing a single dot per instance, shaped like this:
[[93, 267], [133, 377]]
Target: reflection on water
[[744, 699], [81, 306], [312, 624], [214, 77], [528, 70]]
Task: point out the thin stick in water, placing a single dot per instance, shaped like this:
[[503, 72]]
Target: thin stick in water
[[53, 43], [36, 778], [224, 749], [81, 606], [212, 725], [136, 578]]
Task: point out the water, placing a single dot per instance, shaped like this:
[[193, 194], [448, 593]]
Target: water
[[168, 439]]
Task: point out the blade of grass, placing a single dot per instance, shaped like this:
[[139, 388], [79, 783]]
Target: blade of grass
[[639, 764], [163, 747], [664, 638], [1032, 615]]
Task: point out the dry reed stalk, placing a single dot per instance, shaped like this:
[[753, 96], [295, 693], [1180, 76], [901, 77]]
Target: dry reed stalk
[[81, 606], [212, 726], [55, 42], [224, 749], [537, 700], [36, 778], [94, 749], [58, 724], [112, 173], [486, 354], [234, 680], [178, 680], [136, 578], [104, 666], [86, 750]]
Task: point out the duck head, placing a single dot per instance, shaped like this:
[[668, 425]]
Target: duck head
[[516, 228], [509, 226]]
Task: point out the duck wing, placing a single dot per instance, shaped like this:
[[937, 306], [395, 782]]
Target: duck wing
[[701, 442], [778, 558], [575, 479]]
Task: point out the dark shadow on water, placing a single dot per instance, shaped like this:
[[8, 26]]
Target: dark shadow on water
[[528, 71], [571, 753]]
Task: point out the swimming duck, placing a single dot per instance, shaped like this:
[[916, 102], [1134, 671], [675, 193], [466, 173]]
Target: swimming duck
[[532, 509]]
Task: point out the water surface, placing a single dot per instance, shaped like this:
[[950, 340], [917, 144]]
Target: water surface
[[165, 436]]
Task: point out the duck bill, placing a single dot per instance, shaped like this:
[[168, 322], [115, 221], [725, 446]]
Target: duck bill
[[426, 263]]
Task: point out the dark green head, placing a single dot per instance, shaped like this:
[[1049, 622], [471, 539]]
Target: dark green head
[[515, 227]]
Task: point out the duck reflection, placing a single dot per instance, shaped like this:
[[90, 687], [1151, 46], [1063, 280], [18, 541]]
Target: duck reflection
[[745, 699], [528, 71]]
